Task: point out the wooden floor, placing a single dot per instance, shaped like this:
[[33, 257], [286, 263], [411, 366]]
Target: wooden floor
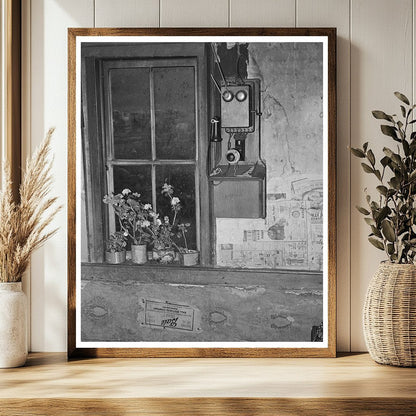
[[349, 384]]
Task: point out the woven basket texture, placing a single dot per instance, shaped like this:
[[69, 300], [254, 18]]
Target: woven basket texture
[[390, 315]]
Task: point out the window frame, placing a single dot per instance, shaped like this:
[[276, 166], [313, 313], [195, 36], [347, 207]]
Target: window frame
[[111, 161], [94, 134]]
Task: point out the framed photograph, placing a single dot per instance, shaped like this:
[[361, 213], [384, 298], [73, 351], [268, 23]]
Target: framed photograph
[[201, 193]]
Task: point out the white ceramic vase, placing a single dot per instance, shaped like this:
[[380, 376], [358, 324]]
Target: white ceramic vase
[[13, 325]]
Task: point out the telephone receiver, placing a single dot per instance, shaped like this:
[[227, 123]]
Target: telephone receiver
[[215, 142]]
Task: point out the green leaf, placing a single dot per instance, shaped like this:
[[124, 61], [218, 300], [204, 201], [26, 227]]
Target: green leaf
[[369, 221], [370, 157], [382, 214], [406, 147], [413, 121], [389, 153], [402, 97], [395, 183], [403, 111], [365, 145], [382, 189], [390, 248], [385, 161], [362, 210], [389, 131], [378, 174], [376, 243], [412, 176], [357, 152], [393, 156], [388, 230], [381, 115], [367, 168], [374, 205], [376, 231]]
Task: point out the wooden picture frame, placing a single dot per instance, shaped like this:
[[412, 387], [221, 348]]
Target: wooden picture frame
[[87, 117]]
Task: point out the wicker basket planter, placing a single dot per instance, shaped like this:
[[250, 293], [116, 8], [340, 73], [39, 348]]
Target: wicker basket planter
[[390, 315]]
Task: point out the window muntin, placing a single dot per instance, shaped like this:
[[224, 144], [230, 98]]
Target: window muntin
[[155, 140]]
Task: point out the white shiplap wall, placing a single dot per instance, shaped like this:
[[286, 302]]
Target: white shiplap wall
[[376, 56]]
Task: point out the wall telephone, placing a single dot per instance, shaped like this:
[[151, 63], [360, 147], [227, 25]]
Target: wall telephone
[[237, 172]]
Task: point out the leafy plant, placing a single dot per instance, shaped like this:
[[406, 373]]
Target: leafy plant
[[182, 230], [162, 232], [391, 216], [133, 215], [116, 242]]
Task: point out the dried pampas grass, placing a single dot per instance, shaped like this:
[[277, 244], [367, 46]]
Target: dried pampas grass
[[23, 224]]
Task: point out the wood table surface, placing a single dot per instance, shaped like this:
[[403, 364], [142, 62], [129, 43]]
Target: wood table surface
[[349, 384]]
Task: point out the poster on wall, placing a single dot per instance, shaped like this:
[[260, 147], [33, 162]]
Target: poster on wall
[[201, 192]]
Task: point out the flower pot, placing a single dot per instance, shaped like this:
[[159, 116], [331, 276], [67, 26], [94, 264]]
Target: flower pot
[[115, 257], [13, 325], [390, 315], [191, 258], [139, 253], [164, 256]]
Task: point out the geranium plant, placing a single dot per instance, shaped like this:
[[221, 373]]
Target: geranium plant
[[391, 216], [133, 215], [182, 230], [162, 232], [116, 242]]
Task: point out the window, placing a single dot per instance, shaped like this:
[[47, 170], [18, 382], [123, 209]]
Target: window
[[144, 120], [150, 129]]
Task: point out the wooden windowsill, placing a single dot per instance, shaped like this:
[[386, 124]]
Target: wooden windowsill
[[217, 269], [349, 384]]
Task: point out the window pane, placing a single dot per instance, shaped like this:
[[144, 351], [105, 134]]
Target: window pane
[[136, 178], [182, 178], [174, 92], [130, 100]]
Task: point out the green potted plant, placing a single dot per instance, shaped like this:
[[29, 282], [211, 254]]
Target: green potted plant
[[23, 228], [134, 219], [161, 236], [188, 257], [116, 248], [389, 311], [162, 232]]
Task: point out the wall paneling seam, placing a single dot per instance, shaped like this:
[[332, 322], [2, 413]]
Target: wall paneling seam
[[296, 13], [26, 137]]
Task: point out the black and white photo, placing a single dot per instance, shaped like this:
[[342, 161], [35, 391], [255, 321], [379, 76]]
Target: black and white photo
[[202, 192]]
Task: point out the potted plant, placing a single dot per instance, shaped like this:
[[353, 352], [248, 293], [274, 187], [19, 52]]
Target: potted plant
[[161, 237], [134, 219], [23, 228], [188, 257], [116, 248], [389, 310], [162, 232]]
